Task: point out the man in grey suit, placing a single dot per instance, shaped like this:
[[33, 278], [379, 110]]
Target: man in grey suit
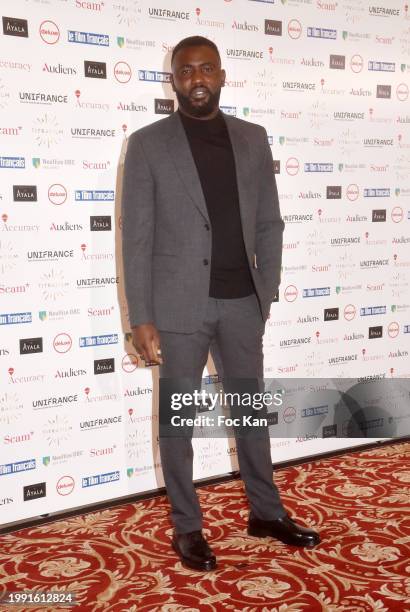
[[202, 248]]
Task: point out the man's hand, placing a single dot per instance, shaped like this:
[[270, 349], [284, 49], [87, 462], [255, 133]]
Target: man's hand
[[146, 340]]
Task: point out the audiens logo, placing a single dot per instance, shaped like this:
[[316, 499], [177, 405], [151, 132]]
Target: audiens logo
[[104, 366], [100, 224], [25, 193], [95, 70], [31, 345], [34, 491], [163, 106], [15, 27]]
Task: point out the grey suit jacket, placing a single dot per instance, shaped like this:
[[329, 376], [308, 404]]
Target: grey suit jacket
[[164, 223]]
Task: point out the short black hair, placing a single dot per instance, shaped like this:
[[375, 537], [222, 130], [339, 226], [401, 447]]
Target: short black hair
[[194, 41]]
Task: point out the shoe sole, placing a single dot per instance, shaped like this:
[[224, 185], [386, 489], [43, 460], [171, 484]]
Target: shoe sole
[[206, 566], [259, 533]]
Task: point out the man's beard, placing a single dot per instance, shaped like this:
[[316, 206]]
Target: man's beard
[[207, 108]]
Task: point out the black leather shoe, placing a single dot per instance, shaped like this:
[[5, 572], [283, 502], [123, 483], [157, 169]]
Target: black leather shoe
[[194, 550], [284, 529]]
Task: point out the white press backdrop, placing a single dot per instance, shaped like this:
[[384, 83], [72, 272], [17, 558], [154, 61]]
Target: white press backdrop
[[328, 80]]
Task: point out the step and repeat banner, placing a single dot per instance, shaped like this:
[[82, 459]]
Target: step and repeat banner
[[328, 80]]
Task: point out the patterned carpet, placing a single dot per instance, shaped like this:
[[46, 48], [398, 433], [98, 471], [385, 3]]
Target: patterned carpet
[[120, 559]]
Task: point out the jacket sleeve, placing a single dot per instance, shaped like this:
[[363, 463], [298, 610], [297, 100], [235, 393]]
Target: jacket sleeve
[[269, 224], [137, 209]]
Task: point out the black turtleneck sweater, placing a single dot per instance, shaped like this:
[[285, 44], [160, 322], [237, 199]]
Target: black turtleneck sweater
[[213, 155]]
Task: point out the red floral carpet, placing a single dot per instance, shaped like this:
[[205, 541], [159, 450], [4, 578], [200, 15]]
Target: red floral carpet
[[120, 559]]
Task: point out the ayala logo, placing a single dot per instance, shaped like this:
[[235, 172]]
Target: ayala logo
[[379, 216], [329, 431], [25, 193], [163, 106], [104, 366], [274, 28], [34, 491], [31, 345], [331, 314], [337, 62], [334, 192], [383, 91], [376, 332], [95, 70], [15, 27], [100, 223]]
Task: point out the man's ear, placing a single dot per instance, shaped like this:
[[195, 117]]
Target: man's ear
[[172, 82], [223, 74]]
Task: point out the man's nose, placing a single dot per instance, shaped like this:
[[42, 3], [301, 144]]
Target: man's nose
[[197, 77]]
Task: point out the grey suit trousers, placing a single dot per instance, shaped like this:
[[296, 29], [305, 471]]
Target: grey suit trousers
[[232, 330]]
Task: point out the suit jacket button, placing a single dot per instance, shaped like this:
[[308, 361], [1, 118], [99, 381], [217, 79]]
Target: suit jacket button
[[206, 226], [205, 262]]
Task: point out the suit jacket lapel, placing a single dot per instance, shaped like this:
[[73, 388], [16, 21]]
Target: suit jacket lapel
[[181, 155], [241, 154]]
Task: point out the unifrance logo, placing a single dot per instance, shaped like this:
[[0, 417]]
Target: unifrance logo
[[168, 15]]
